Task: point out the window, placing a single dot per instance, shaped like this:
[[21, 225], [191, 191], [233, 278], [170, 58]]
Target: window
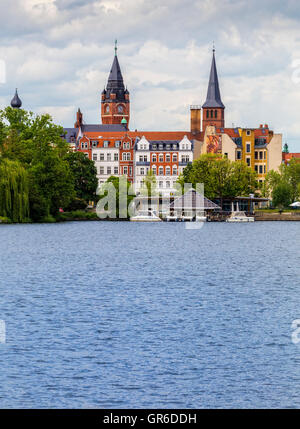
[[260, 169], [154, 170], [265, 153], [125, 170], [142, 171], [256, 168], [105, 143], [239, 155], [108, 170], [95, 157], [168, 157], [168, 146], [161, 158], [161, 171], [117, 143], [211, 113], [101, 170], [264, 168], [216, 113], [94, 143], [120, 108], [175, 170], [109, 157], [116, 157], [248, 147], [130, 171], [154, 158], [160, 184], [256, 155], [124, 156], [175, 157], [84, 145], [248, 160], [116, 170], [101, 156], [248, 133], [168, 171], [141, 158], [168, 184], [128, 158], [145, 158], [161, 147], [154, 146], [175, 146], [261, 155], [207, 113], [126, 145]]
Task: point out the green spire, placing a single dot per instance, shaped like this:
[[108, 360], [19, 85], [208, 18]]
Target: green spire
[[286, 148], [123, 121]]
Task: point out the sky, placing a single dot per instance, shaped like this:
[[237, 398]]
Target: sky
[[58, 53]]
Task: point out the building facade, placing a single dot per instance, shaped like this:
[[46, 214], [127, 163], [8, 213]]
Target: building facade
[[118, 151]]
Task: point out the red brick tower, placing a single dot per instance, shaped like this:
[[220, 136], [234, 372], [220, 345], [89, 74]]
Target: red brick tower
[[115, 104], [213, 108]]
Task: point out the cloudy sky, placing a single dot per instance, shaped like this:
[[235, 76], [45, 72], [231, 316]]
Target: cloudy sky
[[59, 53]]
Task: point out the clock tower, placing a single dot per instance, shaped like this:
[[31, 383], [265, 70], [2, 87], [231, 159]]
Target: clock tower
[[115, 104]]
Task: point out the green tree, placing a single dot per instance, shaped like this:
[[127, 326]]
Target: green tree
[[282, 195], [85, 176], [150, 183], [116, 183], [35, 142], [14, 200], [220, 176]]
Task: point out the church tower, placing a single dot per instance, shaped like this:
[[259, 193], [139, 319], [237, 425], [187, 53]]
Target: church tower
[[115, 104], [213, 108]]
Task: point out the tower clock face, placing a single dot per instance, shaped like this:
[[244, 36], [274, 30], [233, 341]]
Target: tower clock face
[[120, 109], [107, 109]]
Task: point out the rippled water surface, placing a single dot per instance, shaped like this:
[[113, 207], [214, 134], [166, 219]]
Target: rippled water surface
[[110, 315]]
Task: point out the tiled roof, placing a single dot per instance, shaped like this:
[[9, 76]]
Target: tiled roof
[[71, 134], [192, 200], [102, 128]]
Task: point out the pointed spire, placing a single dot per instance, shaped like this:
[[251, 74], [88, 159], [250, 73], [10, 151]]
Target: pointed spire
[[213, 98], [16, 103]]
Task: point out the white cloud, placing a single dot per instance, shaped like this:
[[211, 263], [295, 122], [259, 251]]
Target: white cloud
[[59, 53]]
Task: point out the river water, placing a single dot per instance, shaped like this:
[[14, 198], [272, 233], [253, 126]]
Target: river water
[[121, 315]]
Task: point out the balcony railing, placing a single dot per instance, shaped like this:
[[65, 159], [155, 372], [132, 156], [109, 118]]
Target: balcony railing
[[143, 163]]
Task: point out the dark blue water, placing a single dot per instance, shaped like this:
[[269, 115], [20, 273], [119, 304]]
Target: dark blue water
[[108, 315]]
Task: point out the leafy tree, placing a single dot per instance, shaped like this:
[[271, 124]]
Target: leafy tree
[[287, 174], [14, 201], [85, 176], [282, 195], [150, 182], [35, 142], [220, 176], [116, 183]]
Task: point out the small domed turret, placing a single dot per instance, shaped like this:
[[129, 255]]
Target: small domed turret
[[16, 103]]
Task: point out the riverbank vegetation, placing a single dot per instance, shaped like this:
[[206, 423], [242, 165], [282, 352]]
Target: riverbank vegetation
[[39, 174]]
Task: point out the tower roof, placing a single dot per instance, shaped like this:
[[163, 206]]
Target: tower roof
[[16, 103], [115, 84], [213, 98]]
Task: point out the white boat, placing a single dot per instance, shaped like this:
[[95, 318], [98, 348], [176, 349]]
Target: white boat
[[239, 217], [201, 218], [145, 216]]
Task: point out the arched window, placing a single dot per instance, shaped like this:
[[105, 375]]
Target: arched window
[[161, 171], [161, 158], [207, 113], [154, 170], [216, 113], [175, 170], [168, 171], [124, 154], [154, 158], [175, 157], [168, 157], [128, 156], [211, 113]]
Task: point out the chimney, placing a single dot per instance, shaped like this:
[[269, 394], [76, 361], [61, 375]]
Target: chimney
[[195, 119]]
